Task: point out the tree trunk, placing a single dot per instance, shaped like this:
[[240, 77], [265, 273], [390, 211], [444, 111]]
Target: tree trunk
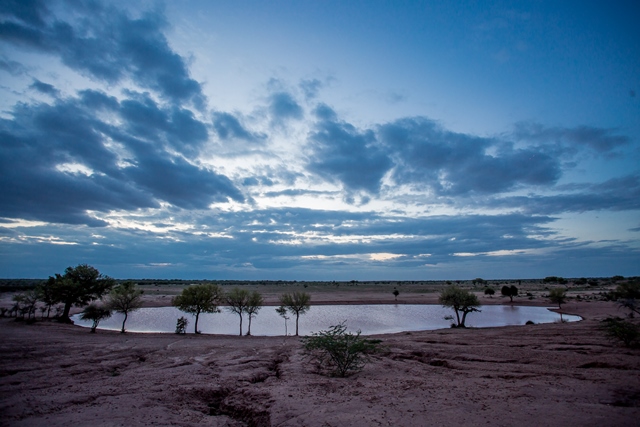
[[124, 321], [240, 314], [65, 313], [249, 327], [464, 318], [297, 317], [196, 325], [458, 316]]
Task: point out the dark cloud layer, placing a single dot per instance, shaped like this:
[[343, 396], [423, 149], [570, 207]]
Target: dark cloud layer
[[342, 153], [60, 161], [106, 44]]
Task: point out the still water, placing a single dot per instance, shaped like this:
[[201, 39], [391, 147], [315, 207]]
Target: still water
[[370, 319]]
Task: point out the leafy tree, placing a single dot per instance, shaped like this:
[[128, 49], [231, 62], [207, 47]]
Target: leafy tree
[[509, 291], [46, 294], [478, 281], [396, 293], [282, 312], [489, 291], [95, 313], [26, 303], [197, 299], [124, 299], [343, 352], [254, 304], [236, 301], [461, 301], [558, 296], [78, 286], [297, 303]]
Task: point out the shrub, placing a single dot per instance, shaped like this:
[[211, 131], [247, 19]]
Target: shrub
[[342, 352], [622, 330], [181, 325]]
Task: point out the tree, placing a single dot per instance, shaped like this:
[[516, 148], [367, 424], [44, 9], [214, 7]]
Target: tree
[[342, 351], [26, 303], [396, 293], [282, 312], [489, 291], [254, 304], [236, 301], [46, 294], [558, 296], [297, 303], [461, 301], [79, 286], [95, 313], [509, 291], [124, 299], [197, 299], [627, 295]]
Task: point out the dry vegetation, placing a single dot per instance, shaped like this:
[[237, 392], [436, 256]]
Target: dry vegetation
[[556, 374]]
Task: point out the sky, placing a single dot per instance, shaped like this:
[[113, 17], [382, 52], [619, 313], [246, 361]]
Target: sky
[[320, 140]]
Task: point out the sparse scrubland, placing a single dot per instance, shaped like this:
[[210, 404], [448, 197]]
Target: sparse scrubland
[[583, 373]]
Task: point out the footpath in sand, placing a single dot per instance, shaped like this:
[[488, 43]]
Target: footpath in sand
[[567, 374]]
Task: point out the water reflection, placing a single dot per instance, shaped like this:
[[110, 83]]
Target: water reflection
[[370, 319]]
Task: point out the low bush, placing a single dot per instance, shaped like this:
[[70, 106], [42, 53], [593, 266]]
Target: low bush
[[339, 352], [622, 330]]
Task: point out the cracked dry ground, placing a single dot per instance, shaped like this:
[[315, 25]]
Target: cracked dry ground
[[556, 374]]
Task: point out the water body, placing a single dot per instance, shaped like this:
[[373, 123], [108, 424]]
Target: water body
[[370, 319]]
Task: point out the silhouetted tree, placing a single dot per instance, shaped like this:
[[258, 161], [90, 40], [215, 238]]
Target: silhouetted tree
[[461, 301], [79, 286], [236, 301], [254, 304], [95, 313], [509, 291], [46, 294], [396, 293], [558, 296], [197, 299], [282, 312], [124, 299], [296, 302]]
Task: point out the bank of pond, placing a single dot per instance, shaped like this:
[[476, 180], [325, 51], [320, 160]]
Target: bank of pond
[[370, 319]]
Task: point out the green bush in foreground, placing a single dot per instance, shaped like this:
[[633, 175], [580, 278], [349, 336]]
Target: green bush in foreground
[[340, 352], [622, 330]]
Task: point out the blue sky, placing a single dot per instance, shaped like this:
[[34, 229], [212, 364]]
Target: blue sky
[[325, 140]]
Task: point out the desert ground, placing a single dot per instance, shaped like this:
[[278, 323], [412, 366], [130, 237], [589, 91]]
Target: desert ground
[[561, 374]]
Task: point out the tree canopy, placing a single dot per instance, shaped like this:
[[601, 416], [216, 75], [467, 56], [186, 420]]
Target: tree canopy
[[125, 298], [558, 296], [237, 300], [197, 299], [95, 313], [461, 301], [78, 286], [296, 303]]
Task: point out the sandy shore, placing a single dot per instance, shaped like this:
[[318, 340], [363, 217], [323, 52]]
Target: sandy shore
[[551, 375]]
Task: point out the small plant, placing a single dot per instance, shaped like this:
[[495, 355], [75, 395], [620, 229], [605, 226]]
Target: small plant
[[342, 353], [622, 330], [95, 313], [181, 325], [396, 293]]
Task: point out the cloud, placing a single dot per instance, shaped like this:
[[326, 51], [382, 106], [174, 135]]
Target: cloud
[[597, 139], [44, 88], [310, 88], [618, 194], [228, 126], [64, 160], [106, 44], [455, 164], [283, 107], [342, 153], [12, 67]]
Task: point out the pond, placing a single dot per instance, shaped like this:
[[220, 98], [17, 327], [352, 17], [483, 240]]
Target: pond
[[370, 319]]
